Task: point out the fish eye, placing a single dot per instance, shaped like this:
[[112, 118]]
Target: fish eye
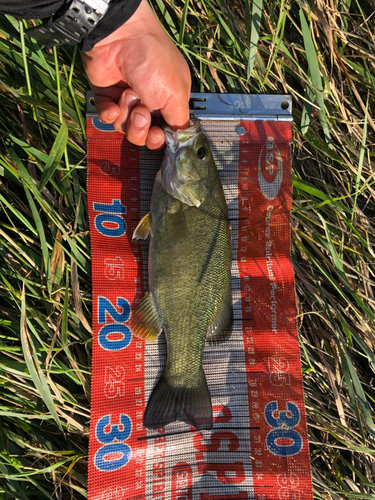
[[201, 153]]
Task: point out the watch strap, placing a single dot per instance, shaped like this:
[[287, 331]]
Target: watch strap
[[72, 25]]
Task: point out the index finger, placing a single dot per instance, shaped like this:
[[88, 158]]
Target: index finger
[[106, 101]]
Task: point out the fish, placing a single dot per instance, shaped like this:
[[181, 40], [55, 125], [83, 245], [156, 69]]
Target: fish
[[189, 267]]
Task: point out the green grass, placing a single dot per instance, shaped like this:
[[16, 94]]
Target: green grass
[[322, 53]]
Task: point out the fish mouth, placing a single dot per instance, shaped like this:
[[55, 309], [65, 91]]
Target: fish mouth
[[187, 178], [177, 138], [176, 183]]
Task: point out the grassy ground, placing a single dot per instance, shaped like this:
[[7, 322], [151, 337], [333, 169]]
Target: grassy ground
[[323, 54]]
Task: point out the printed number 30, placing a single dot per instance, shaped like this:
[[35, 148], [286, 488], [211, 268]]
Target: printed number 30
[[115, 453], [283, 440]]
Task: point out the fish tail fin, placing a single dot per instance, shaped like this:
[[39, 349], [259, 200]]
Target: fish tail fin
[[168, 403]]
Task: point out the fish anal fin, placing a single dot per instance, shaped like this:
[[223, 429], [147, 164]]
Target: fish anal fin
[[168, 403], [144, 320], [221, 327], [143, 229]]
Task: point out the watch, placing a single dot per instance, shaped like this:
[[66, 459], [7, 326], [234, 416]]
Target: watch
[[70, 25]]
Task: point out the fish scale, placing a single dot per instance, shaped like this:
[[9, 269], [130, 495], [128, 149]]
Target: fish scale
[[189, 276]]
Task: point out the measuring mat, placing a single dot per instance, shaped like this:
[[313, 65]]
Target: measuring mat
[[258, 446]]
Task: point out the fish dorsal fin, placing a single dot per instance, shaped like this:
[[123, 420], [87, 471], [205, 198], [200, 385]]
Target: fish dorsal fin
[[144, 320], [221, 327], [142, 231]]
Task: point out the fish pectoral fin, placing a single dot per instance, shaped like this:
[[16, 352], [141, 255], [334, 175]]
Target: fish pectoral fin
[[143, 229], [168, 403], [144, 320], [176, 222], [221, 327]]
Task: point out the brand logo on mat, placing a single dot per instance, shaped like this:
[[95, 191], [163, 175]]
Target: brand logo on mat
[[109, 168], [270, 169], [182, 480]]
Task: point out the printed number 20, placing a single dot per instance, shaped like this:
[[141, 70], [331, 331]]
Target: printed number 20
[[283, 440], [121, 332]]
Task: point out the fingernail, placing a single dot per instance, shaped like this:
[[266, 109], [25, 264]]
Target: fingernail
[[129, 98], [154, 138], [139, 121]]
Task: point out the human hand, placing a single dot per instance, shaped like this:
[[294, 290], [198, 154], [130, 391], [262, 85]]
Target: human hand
[[136, 74]]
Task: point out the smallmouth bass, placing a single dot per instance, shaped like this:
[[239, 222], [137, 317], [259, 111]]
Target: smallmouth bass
[[189, 265]]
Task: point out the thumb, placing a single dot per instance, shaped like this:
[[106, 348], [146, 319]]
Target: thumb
[[176, 111]]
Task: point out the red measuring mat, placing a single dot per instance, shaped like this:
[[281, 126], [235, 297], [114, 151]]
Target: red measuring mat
[[258, 446]]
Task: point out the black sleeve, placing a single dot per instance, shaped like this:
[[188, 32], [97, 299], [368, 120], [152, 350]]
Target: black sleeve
[[30, 9], [118, 13]]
